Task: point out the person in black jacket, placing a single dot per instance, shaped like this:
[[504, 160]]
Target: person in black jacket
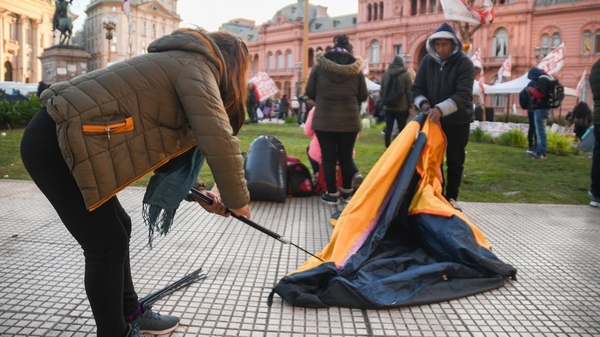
[[398, 111], [337, 86], [539, 96], [443, 89]]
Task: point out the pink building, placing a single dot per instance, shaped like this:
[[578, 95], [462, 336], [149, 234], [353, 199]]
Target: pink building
[[524, 29]]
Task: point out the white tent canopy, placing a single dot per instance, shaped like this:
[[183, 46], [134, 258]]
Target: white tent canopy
[[372, 86], [515, 86]]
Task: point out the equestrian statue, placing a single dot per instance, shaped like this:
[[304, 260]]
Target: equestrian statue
[[62, 22]]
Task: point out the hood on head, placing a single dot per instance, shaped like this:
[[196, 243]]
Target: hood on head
[[534, 73], [398, 60], [444, 31]]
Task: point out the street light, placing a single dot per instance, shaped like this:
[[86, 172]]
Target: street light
[[110, 24]]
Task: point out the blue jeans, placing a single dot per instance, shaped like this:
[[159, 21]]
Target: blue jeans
[[541, 116]]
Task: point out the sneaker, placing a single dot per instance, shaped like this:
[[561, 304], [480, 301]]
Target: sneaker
[[530, 151], [539, 156], [346, 195], [595, 201], [454, 204], [331, 198], [134, 331], [356, 181], [155, 323]]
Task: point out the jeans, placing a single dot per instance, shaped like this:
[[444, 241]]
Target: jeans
[[337, 147], [531, 131], [541, 116], [103, 234], [595, 187], [457, 137]]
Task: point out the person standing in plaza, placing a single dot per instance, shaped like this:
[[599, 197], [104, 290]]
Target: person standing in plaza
[[443, 89], [595, 172], [526, 103], [397, 108], [284, 107], [252, 100], [337, 86], [582, 119], [539, 95], [101, 131]]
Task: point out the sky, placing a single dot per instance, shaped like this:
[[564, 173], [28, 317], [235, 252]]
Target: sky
[[211, 14]]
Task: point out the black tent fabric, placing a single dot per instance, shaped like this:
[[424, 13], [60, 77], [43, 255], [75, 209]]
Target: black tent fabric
[[399, 242]]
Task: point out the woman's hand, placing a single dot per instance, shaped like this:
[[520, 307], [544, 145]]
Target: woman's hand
[[244, 211], [217, 207]]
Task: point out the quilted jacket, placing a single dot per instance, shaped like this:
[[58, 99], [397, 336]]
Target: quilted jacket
[[338, 90], [119, 123]]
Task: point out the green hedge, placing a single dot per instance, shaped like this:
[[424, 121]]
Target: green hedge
[[18, 113]]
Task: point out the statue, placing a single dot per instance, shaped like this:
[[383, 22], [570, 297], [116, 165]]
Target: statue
[[62, 21]]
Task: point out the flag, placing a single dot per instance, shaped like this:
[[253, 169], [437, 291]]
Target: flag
[[554, 61], [506, 70], [581, 83], [460, 10], [478, 86], [125, 7]]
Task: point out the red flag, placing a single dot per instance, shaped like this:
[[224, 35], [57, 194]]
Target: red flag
[[125, 7]]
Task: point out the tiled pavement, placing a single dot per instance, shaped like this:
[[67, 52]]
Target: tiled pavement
[[554, 247]]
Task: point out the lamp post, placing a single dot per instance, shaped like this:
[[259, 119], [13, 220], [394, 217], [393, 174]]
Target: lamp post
[[110, 24]]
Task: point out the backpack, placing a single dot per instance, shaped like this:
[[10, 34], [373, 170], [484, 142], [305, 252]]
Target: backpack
[[524, 99], [556, 92], [392, 94], [299, 178]]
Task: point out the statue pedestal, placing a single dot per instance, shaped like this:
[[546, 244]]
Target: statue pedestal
[[63, 62]]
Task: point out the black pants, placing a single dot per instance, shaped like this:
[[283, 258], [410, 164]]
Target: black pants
[[337, 147], [457, 137], [399, 117], [531, 132], [595, 186], [103, 233]]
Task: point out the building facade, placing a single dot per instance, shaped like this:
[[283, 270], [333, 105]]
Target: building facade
[[524, 29], [110, 35], [25, 31]]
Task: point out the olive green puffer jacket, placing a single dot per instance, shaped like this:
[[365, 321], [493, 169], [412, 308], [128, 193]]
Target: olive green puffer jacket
[[119, 123]]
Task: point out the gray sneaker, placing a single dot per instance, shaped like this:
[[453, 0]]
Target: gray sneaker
[[595, 201], [134, 331], [155, 323]]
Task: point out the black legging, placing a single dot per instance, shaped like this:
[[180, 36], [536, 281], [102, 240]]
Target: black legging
[[103, 233], [337, 147]]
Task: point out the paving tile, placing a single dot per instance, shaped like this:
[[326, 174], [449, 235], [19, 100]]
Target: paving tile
[[554, 247]]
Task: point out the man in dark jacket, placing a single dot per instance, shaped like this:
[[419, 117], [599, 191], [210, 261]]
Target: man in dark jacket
[[539, 95], [595, 174], [399, 111], [443, 89]]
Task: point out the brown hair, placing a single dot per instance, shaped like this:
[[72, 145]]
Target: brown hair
[[237, 61]]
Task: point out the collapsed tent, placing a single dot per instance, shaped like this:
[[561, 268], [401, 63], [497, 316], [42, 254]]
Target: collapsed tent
[[399, 242]]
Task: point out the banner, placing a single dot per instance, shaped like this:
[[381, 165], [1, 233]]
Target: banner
[[460, 10], [581, 83], [478, 86], [505, 70], [554, 61], [365, 68], [264, 84]]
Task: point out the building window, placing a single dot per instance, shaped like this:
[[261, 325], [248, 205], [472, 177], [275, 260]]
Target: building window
[[280, 63], [597, 42], [290, 60], [270, 61], [500, 43], [144, 28], [586, 43], [143, 48], [398, 50], [381, 10], [369, 12], [555, 40], [374, 52], [432, 6]]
